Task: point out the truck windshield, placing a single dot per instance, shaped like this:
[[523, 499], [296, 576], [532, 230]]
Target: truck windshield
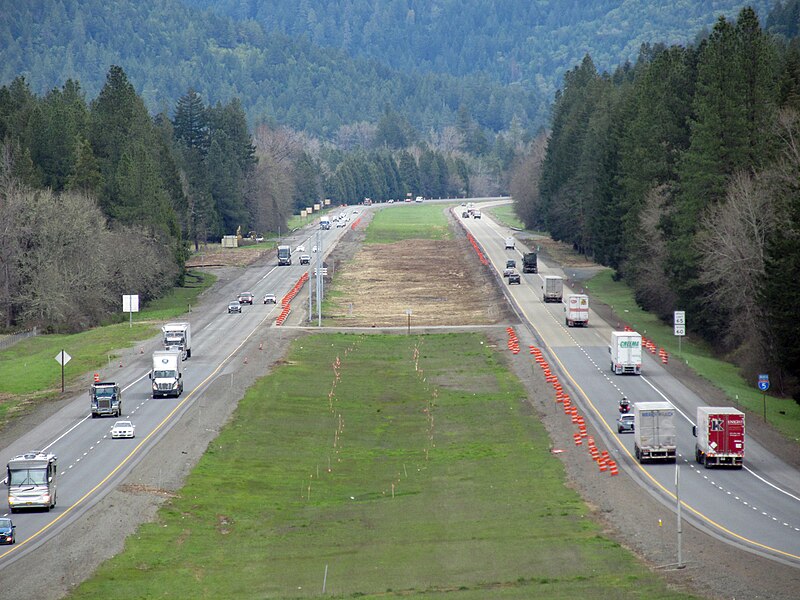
[[163, 374], [104, 392], [28, 476]]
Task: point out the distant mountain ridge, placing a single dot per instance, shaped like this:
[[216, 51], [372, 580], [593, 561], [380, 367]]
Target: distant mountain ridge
[[316, 65]]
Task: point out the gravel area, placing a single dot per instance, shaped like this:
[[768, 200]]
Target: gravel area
[[713, 569]]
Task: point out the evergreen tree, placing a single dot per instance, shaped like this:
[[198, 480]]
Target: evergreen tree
[[409, 175], [190, 122]]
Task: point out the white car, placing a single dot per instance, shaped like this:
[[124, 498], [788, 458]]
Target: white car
[[123, 429], [314, 249], [300, 248]]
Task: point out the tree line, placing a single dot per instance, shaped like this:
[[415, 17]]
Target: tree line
[[100, 199], [681, 173]]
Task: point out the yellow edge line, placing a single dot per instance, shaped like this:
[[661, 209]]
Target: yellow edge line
[[125, 460], [643, 470]]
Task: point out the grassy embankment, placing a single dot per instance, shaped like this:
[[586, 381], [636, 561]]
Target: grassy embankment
[[394, 465], [29, 372], [782, 413]]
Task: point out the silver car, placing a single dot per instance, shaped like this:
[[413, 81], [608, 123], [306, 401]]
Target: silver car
[[625, 424]]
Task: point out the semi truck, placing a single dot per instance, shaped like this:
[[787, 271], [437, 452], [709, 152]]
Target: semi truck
[[577, 310], [284, 255], [31, 480], [529, 264], [626, 352], [654, 431], [167, 373], [510, 245], [178, 336], [106, 399], [720, 436], [324, 223], [553, 287]]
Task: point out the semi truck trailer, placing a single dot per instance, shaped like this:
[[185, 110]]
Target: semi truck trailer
[[720, 436], [178, 336], [577, 310], [626, 352], [553, 289], [654, 431]]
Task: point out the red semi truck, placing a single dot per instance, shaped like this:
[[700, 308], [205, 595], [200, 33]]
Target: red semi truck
[[720, 436]]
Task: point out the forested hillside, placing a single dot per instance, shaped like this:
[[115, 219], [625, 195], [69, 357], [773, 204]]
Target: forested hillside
[[167, 48], [682, 173], [531, 44]]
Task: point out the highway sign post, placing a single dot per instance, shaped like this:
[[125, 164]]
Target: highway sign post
[[763, 385], [62, 358], [679, 320], [130, 305]]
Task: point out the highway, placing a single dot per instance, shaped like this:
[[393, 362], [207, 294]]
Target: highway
[[90, 463], [757, 507]]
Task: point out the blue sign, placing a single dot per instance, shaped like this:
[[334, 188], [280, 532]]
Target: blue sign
[[763, 382]]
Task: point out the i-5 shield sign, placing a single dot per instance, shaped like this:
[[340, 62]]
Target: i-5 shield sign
[[763, 382]]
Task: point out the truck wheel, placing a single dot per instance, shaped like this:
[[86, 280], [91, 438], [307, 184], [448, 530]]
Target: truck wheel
[[189, 353], [94, 415]]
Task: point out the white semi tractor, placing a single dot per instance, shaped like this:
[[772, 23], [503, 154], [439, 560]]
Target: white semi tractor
[[178, 336], [167, 373]]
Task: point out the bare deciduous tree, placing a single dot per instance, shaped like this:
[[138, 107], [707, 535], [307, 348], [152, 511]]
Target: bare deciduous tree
[[648, 267], [732, 243]]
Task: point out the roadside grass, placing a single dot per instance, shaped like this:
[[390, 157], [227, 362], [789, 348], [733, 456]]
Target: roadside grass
[[30, 373], [782, 413], [391, 466], [505, 215], [407, 222]]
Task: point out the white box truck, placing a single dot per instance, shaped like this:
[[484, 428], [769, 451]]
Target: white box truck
[[626, 352], [720, 436], [324, 223], [510, 245], [577, 310], [178, 336], [654, 431], [553, 287], [167, 373]]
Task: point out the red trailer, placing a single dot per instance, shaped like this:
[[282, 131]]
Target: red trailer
[[720, 436]]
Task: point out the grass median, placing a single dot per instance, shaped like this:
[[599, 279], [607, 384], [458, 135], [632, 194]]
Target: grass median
[[383, 466]]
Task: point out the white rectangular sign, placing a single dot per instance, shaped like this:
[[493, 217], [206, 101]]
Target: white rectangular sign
[[680, 322], [130, 303]]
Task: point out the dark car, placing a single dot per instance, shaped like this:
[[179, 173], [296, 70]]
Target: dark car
[[514, 278], [7, 531], [511, 264], [625, 424], [246, 298], [234, 307]]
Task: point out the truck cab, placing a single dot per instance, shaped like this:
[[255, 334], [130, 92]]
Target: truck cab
[[106, 399]]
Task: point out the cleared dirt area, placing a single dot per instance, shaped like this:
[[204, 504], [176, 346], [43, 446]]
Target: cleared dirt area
[[441, 282]]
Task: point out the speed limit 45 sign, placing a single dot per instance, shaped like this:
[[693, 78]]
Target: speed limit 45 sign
[[679, 321]]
